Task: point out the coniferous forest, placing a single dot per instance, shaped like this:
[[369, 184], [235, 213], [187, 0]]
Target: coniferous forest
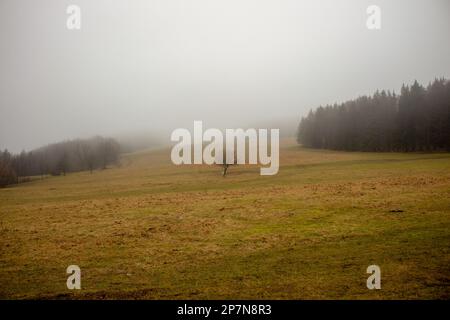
[[416, 120]]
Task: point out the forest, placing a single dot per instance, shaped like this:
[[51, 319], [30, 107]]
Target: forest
[[418, 119], [58, 159]]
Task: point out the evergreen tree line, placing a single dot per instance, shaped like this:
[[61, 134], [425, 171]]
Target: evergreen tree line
[[416, 120], [58, 158]]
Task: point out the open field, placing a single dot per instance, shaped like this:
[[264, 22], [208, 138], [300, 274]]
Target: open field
[[149, 229]]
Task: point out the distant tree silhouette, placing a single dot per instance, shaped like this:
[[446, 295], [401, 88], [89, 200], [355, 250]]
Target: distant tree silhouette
[[7, 173], [59, 158], [416, 120]]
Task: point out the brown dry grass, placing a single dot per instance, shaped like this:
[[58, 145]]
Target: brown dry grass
[[149, 229]]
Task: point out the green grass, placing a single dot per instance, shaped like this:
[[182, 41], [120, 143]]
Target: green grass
[[150, 230]]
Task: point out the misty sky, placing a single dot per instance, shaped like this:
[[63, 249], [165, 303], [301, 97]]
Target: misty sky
[[152, 66]]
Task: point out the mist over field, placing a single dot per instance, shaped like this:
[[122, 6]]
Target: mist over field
[[144, 68], [342, 192]]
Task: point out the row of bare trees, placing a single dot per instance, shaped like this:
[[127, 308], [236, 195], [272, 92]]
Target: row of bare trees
[[58, 159]]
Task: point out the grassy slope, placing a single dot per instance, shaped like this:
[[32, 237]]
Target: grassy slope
[[150, 229]]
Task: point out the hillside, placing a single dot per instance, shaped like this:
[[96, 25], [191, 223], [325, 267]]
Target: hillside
[[149, 229]]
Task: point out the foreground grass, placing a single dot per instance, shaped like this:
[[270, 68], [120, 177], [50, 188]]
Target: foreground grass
[[149, 229]]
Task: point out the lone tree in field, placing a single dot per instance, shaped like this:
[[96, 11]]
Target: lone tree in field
[[226, 164], [225, 168]]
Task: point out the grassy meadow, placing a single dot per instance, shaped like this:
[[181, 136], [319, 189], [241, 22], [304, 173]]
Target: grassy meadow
[[151, 230]]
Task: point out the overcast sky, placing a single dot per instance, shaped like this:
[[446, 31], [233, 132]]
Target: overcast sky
[[153, 66]]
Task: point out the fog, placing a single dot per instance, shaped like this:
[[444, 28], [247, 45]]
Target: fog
[[145, 68]]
